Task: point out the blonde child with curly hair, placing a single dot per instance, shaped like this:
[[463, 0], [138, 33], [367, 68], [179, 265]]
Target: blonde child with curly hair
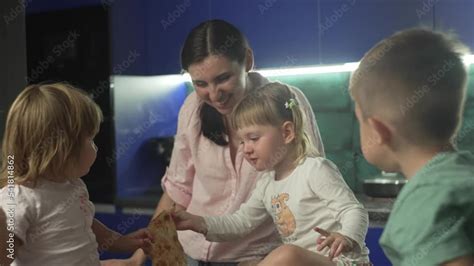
[[48, 145]]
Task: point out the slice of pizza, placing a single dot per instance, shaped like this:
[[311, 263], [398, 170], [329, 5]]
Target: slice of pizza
[[167, 251]]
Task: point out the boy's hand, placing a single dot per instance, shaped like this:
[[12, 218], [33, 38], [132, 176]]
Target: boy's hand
[[337, 243], [138, 239], [186, 221]]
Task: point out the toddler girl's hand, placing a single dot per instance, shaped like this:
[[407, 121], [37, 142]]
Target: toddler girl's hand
[[186, 221], [134, 260], [141, 238], [338, 243]]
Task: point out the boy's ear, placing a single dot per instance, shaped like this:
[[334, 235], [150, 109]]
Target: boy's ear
[[249, 60], [288, 131], [382, 132]]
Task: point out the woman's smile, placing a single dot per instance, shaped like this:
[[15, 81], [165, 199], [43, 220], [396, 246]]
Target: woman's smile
[[223, 103]]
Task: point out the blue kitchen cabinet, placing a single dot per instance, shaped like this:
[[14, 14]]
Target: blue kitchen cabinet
[[281, 33], [128, 37], [456, 15], [377, 257], [167, 27], [147, 35], [151, 33], [349, 28]]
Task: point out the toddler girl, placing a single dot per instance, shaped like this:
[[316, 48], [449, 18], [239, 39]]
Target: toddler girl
[[48, 145], [299, 192]]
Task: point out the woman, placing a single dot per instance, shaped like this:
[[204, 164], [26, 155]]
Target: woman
[[208, 174]]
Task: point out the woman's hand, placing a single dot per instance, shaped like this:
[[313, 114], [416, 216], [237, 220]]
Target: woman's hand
[[186, 221], [337, 243]]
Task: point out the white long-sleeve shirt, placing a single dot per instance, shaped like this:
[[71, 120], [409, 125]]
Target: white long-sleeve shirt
[[313, 195]]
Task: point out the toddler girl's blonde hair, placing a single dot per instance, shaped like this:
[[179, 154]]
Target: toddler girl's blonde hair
[[273, 104], [45, 127]]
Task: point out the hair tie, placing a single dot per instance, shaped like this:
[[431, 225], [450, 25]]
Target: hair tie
[[290, 103]]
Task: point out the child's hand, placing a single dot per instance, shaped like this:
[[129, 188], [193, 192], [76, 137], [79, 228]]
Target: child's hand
[[336, 242], [138, 239], [186, 221], [134, 260]]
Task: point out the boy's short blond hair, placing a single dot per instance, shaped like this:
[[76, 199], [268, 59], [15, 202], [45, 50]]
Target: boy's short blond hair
[[415, 80], [44, 131]]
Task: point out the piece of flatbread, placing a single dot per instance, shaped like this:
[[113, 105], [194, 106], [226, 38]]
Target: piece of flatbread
[[167, 251]]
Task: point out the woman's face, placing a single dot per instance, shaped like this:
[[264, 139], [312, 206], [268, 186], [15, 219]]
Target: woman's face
[[219, 82]]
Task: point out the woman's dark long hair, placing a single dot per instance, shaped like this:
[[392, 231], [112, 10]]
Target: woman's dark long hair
[[213, 37]]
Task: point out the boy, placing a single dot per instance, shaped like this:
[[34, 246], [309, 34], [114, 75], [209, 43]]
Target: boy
[[409, 92]]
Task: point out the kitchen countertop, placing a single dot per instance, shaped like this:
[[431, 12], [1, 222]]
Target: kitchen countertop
[[379, 209]]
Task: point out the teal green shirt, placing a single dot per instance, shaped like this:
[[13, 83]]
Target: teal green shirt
[[432, 220]]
